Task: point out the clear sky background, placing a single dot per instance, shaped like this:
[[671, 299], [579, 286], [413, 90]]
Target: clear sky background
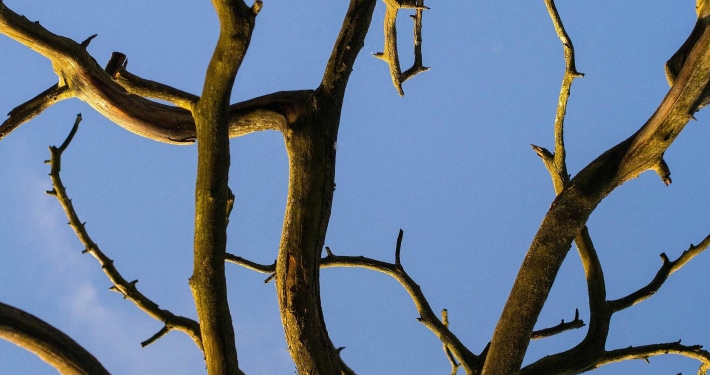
[[450, 163]]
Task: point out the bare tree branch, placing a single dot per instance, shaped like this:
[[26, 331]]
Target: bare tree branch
[[47, 342], [86, 80], [570, 210], [563, 326], [121, 285], [33, 107], [667, 268], [390, 54], [212, 195]]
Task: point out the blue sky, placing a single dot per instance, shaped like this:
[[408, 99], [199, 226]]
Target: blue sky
[[450, 163]]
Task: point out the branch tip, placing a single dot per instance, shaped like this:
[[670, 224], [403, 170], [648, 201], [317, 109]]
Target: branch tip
[[256, 7], [86, 41]]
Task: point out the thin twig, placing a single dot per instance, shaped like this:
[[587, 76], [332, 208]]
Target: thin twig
[[127, 289], [563, 326]]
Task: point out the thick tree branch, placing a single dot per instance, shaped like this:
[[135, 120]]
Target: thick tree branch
[[86, 80], [667, 268], [570, 210], [121, 285], [469, 361], [48, 343], [212, 194]]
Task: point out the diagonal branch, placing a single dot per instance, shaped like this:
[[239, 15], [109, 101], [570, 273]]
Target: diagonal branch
[[86, 80], [212, 195], [569, 212], [121, 285], [50, 344]]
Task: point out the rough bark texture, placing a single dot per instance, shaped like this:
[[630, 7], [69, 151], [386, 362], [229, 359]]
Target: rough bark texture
[[211, 113]]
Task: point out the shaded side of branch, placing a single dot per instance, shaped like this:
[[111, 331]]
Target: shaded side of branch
[[570, 210], [47, 342]]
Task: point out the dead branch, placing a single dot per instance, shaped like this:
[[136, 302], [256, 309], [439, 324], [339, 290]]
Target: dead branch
[[121, 285], [86, 80], [33, 107], [212, 195], [51, 345], [569, 212], [467, 359], [667, 268], [390, 54], [562, 327]]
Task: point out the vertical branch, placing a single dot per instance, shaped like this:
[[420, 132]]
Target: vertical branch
[[211, 114], [310, 145], [570, 74]]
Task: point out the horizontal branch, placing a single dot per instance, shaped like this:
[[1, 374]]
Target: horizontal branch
[[121, 285], [86, 80]]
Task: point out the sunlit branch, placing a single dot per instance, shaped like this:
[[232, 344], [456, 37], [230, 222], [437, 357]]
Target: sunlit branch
[[116, 68], [646, 351], [569, 212], [121, 285], [50, 344], [347, 47], [33, 107], [390, 55], [212, 194]]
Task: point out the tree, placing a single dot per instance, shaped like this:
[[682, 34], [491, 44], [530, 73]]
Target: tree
[[309, 120]]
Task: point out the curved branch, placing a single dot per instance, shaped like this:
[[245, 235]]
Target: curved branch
[[50, 344], [646, 351], [86, 80], [121, 285]]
